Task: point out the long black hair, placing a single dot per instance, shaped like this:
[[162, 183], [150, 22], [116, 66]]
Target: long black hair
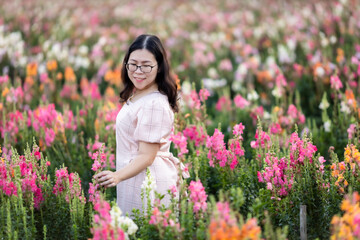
[[165, 81]]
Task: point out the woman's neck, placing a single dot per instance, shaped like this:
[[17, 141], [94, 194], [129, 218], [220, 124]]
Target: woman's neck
[[140, 93]]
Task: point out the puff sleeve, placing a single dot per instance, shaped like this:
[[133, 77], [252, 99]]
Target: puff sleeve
[[154, 121]]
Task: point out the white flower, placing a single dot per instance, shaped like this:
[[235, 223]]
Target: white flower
[[213, 73], [344, 108], [123, 222], [276, 92], [324, 42], [324, 103], [83, 50], [252, 96], [186, 88], [333, 39], [343, 2], [212, 84], [242, 69], [149, 182], [291, 44], [327, 126], [319, 71], [267, 115]]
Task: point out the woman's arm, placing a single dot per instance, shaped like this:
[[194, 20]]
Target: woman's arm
[[146, 156]]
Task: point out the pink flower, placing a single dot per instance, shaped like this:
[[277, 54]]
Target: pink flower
[[180, 142], [275, 128], [262, 140], [241, 102], [195, 101], [173, 190], [204, 94], [4, 79], [198, 196], [96, 166], [292, 111], [49, 136], [351, 130], [192, 134], [37, 155], [223, 104], [335, 82], [238, 130], [226, 65]]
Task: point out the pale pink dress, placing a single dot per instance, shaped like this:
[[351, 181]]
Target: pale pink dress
[[149, 119]]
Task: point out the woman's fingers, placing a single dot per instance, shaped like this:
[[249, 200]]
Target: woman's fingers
[[106, 179], [101, 174]]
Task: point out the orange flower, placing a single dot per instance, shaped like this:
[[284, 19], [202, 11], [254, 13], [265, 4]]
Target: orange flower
[[345, 226], [31, 69], [84, 83], [69, 75], [350, 97], [97, 125], [263, 76], [177, 80], [113, 77], [51, 65], [5, 92], [342, 166], [29, 81], [340, 55], [42, 145], [59, 76], [109, 92]]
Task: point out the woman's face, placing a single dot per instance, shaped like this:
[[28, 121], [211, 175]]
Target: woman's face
[[142, 78]]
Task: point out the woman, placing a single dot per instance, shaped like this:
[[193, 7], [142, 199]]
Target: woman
[[144, 124]]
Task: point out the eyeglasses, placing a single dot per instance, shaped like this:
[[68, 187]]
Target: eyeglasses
[[144, 68]]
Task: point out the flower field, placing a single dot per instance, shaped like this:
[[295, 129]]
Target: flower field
[[269, 120]]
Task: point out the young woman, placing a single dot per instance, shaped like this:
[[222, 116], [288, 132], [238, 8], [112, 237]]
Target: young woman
[[144, 124]]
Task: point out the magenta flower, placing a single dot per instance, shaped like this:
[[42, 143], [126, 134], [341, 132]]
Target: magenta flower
[[192, 134], [49, 136]]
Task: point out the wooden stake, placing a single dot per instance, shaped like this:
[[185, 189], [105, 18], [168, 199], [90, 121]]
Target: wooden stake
[[303, 232]]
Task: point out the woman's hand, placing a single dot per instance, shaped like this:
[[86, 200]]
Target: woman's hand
[[107, 178]]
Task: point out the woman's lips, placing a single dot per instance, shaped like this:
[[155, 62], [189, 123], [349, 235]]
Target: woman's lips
[[139, 80]]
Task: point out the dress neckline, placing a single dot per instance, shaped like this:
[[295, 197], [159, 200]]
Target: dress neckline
[[129, 101]]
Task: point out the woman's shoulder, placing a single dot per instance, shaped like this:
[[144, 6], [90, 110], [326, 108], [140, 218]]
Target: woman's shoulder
[[156, 99]]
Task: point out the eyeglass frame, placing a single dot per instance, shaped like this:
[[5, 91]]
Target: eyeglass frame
[[139, 67]]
